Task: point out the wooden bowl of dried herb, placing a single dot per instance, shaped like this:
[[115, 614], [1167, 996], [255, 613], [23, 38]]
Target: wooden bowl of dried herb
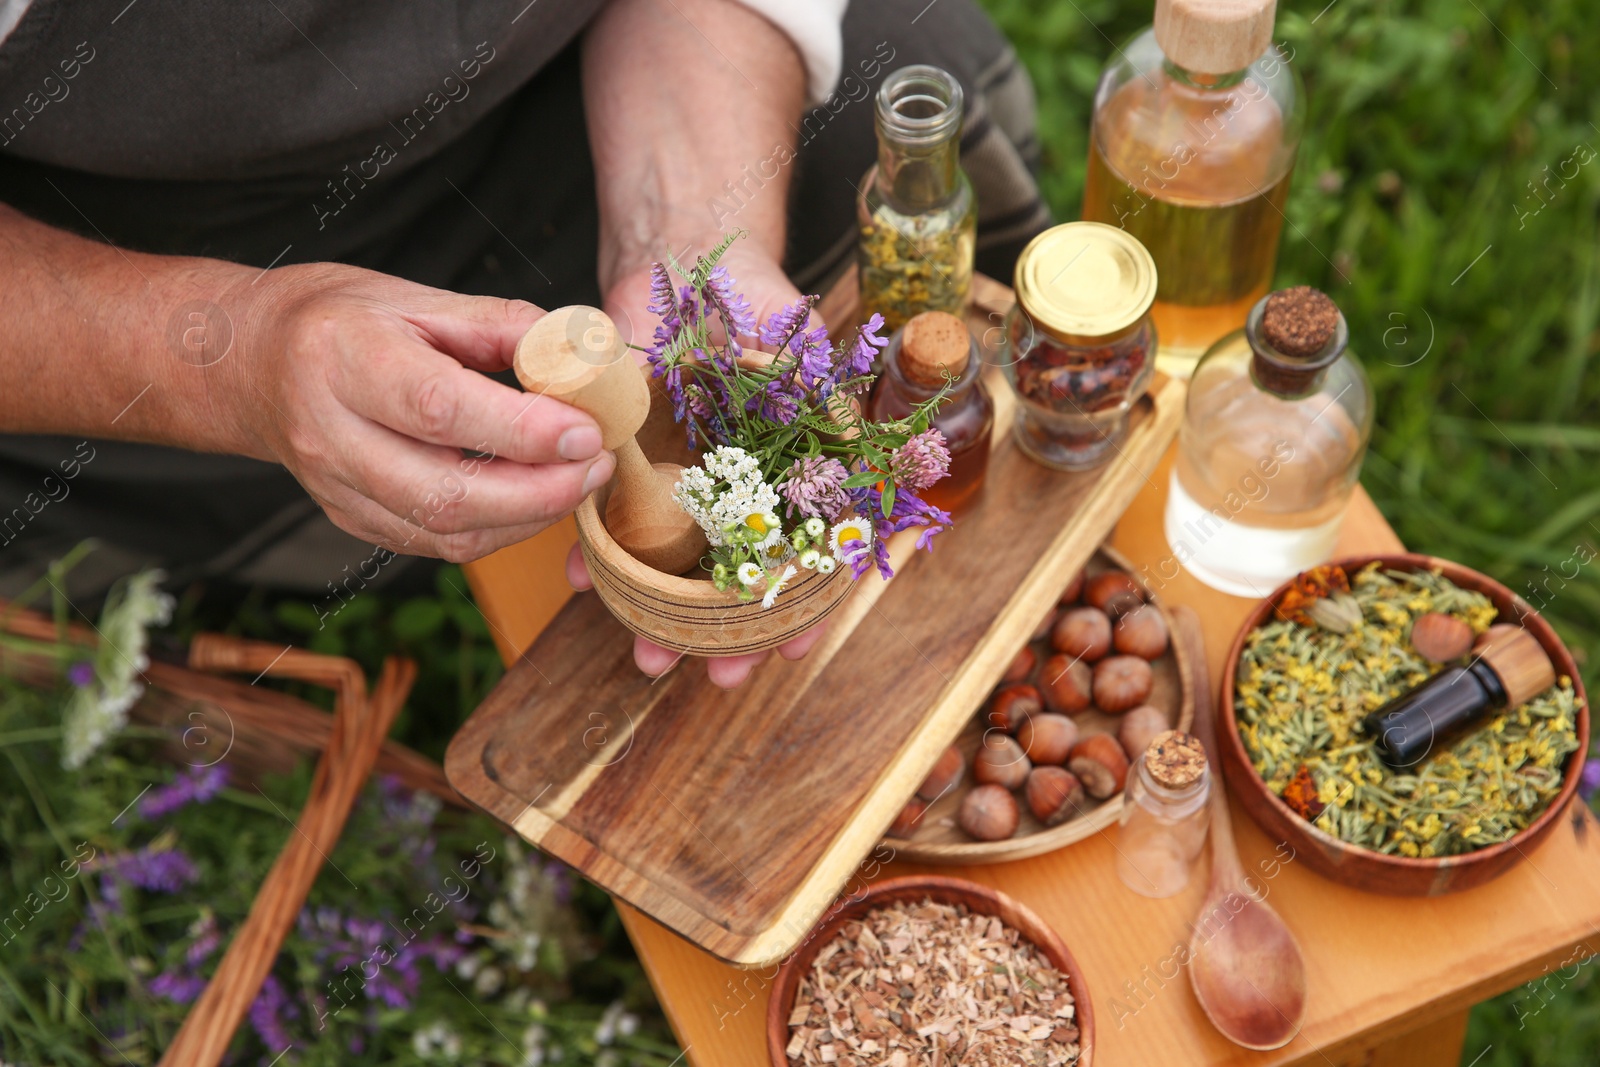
[[1024, 968], [1333, 644]]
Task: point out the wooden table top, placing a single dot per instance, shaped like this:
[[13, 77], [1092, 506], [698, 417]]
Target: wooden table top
[[1379, 967]]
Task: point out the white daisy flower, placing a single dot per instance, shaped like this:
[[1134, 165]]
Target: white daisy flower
[[815, 527], [775, 586], [826, 565], [810, 558], [848, 536], [749, 574]]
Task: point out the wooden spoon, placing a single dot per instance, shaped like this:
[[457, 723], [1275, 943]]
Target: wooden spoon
[[576, 355], [1244, 963]]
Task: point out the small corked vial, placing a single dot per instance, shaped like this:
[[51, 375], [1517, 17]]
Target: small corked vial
[[935, 351], [1164, 816]]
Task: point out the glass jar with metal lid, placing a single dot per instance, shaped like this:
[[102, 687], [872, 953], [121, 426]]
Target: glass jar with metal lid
[[1079, 344]]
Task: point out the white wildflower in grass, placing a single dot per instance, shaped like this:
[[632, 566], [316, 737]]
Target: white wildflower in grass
[[826, 565], [96, 712], [749, 573], [775, 585], [850, 535]]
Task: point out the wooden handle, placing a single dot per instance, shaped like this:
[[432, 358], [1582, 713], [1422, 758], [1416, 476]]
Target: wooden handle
[[575, 355]]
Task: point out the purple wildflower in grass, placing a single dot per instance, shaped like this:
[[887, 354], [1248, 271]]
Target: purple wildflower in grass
[[1589, 778], [920, 462], [814, 488], [157, 872], [81, 674], [730, 305], [784, 323], [195, 786], [269, 1015], [180, 988]]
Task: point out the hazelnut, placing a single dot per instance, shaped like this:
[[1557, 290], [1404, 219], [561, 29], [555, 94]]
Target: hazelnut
[[1012, 705], [1139, 727], [1022, 665], [1048, 738], [1046, 624], [1113, 593], [1120, 683], [1100, 764], [1066, 684], [1142, 632], [1001, 761], [1073, 591], [905, 824], [989, 813], [1053, 795], [1440, 638], [945, 776], [1083, 633]]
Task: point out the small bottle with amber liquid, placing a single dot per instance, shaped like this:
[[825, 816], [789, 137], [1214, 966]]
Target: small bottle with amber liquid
[[935, 348], [1196, 125]]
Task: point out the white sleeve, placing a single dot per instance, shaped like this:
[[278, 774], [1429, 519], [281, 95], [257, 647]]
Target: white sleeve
[[814, 27]]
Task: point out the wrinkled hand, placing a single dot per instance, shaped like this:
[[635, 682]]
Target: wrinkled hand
[[366, 388], [764, 284]]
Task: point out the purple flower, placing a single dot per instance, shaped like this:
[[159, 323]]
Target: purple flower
[[864, 353], [81, 674], [730, 305], [268, 1015], [920, 462], [782, 324], [1589, 778], [909, 510], [814, 487], [776, 402], [180, 988], [662, 300], [197, 786], [158, 872]]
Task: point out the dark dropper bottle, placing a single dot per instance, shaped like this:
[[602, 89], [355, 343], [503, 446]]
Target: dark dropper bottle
[[1509, 668]]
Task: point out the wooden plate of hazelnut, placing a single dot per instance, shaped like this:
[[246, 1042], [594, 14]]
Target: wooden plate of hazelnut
[[1044, 761]]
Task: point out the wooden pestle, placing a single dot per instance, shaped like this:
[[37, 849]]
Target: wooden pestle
[[575, 355]]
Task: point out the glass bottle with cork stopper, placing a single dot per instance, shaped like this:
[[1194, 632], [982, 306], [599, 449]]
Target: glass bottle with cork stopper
[[1195, 129], [1077, 346], [916, 214], [933, 349], [1274, 431], [1164, 815]]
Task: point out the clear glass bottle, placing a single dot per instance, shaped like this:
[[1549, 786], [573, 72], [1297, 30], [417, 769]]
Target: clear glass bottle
[[1164, 816], [919, 358], [917, 216], [1270, 448], [1191, 147], [1077, 346]]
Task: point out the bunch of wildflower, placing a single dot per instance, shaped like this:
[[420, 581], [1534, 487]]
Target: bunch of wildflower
[[786, 432], [102, 695]]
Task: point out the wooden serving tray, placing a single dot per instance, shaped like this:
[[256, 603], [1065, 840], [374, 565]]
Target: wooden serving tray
[[735, 818]]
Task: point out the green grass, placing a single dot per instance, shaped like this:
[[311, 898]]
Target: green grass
[[1427, 121]]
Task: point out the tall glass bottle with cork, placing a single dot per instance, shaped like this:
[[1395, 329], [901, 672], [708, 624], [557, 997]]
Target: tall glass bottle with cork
[[1196, 123], [917, 216], [1274, 430]]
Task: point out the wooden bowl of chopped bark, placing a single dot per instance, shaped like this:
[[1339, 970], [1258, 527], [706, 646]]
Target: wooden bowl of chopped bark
[[871, 983], [1282, 778]]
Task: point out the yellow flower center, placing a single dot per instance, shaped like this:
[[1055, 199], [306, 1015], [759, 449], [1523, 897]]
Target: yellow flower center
[[756, 523]]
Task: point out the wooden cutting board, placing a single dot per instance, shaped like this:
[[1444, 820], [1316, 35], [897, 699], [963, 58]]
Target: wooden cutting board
[[735, 818]]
